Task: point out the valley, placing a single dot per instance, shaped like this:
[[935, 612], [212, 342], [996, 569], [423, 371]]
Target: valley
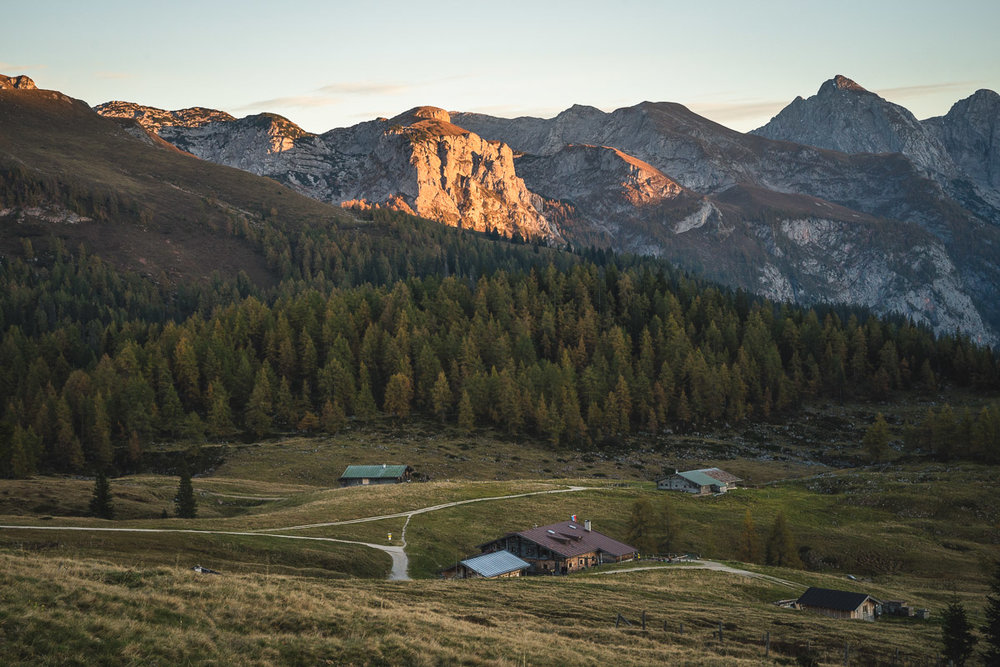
[[542, 318], [273, 525]]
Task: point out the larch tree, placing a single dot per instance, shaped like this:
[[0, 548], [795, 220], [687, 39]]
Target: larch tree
[[748, 548], [876, 439], [642, 532], [781, 549]]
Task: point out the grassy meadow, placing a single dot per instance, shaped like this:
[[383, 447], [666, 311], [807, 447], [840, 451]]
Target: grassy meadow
[[916, 531]]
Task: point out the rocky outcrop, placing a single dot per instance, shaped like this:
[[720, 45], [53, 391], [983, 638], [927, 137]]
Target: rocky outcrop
[[20, 82], [153, 119], [418, 162], [970, 132], [845, 117]]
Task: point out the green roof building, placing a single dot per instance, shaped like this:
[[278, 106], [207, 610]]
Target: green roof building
[[375, 474]]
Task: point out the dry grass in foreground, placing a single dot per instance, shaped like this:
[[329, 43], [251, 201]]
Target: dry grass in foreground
[[51, 609]]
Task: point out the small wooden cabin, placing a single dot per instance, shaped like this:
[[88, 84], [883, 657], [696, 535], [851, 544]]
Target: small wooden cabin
[[494, 565], [562, 547], [376, 474], [839, 604], [703, 481]]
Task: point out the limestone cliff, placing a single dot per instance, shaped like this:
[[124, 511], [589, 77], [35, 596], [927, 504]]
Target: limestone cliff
[[418, 162]]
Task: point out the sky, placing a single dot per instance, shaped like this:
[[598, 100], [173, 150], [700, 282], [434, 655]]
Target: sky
[[327, 64]]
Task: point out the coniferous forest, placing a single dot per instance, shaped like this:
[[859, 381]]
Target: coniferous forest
[[417, 319]]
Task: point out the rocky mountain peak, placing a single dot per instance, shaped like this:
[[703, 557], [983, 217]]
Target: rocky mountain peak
[[417, 114], [20, 82], [841, 82], [845, 117]]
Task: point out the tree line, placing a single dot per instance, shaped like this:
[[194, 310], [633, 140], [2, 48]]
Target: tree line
[[578, 352]]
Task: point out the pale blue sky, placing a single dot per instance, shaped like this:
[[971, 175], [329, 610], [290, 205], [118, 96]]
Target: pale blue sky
[[331, 64]]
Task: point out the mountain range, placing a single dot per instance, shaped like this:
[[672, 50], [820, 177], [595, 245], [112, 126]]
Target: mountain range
[[842, 197]]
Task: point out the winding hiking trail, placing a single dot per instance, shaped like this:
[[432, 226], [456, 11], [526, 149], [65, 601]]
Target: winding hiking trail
[[400, 562]]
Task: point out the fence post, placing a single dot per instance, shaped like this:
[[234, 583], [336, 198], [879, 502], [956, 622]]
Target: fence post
[[720, 631], [767, 644], [682, 628], [847, 653], [644, 620]]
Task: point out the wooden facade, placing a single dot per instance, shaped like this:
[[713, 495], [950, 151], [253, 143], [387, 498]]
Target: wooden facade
[[562, 548], [840, 604]]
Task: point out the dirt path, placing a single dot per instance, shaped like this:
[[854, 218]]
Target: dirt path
[[711, 565], [400, 562], [432, 508]]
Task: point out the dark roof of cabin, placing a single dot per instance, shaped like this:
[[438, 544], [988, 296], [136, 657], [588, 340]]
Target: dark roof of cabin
[[568, 539], [827, 598]]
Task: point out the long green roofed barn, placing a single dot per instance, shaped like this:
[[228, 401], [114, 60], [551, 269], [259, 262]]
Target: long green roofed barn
[[376, 474]]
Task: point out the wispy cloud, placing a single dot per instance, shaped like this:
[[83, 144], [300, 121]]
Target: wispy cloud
[[9, 67], [734, 112], [326, 96], [907, 92], [290, 102], [362, 88]]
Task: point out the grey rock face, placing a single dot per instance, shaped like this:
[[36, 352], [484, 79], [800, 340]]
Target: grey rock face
[[970, 132], [845, 117]]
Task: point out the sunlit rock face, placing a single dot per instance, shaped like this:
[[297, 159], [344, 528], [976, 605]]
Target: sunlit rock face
[[418, 162], [16, 83]]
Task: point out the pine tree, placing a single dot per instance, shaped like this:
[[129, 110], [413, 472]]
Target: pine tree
[[672, 527], [333, 418], [398, 395], [260, 408], [220, 419], [184, 502], [101, 505], [876, 439], [781, 549], [466, 417], [364, 404], [748, 549], [642, 526], [441, 397], [956, 633], [991, 629], [100, 433]]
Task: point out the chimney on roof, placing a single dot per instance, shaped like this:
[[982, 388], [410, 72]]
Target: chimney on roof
[[586, 525]]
